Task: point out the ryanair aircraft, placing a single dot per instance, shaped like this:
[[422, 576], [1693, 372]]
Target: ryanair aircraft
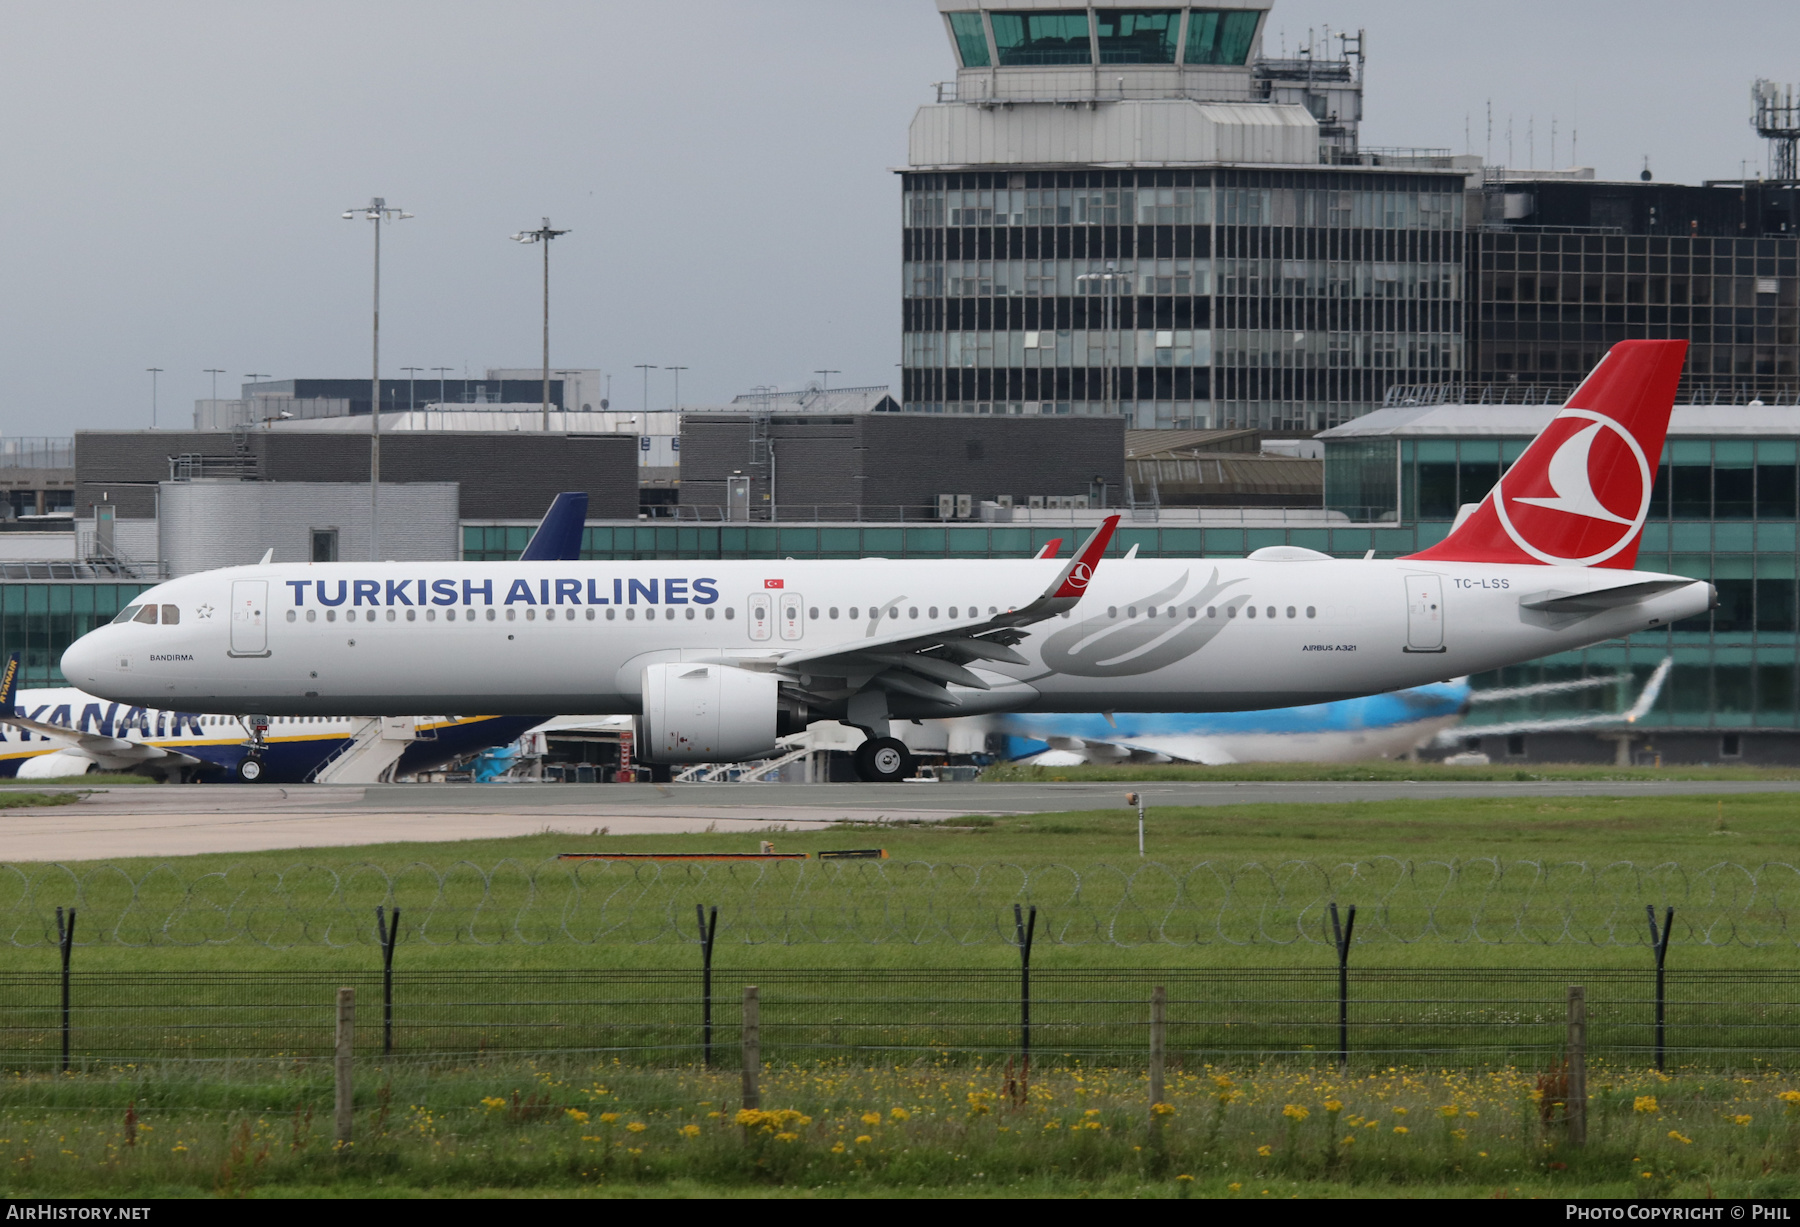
[[56, 732], [719, 659]]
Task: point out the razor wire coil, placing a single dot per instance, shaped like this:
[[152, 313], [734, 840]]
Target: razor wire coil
[[1478, 901]]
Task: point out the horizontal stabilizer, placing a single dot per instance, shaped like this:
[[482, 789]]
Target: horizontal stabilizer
[[1604, 599]]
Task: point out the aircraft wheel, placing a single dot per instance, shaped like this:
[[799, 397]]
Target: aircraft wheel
[[883, 760], [249, 769]]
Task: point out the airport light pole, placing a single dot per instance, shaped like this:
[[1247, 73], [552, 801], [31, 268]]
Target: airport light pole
[[253, 376], [412, 379], [1109, 372], [440, 374], [646, 367], [677, 370], [542, 235], [215, 372], [377, 211], [154, 372], [825, 379]]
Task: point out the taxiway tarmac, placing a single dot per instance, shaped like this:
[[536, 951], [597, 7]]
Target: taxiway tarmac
[[165, 820]]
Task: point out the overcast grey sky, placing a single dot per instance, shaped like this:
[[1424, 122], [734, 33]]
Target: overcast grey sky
[[174, 173]]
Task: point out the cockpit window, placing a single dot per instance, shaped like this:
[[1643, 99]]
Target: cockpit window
[[147, 615], [127, 614], [171, 615]]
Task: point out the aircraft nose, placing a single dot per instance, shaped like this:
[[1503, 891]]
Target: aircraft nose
[[84, 661]]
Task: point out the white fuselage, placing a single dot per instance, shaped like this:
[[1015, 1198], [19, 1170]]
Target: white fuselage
[[563, 637]]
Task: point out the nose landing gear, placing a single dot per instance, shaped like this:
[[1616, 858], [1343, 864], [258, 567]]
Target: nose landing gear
[[883, 760], [250, 769]]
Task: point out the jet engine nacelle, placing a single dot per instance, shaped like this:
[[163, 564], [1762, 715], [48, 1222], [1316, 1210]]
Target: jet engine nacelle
[[695, 713]]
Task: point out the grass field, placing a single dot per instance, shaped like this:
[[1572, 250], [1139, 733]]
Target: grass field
[[571, 1125], [920, 1129], [1490, 882]]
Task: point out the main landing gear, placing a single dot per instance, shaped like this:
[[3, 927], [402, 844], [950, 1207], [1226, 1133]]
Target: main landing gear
[[883, 760]]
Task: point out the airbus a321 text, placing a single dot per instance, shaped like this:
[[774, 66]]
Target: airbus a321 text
[[719, 658]]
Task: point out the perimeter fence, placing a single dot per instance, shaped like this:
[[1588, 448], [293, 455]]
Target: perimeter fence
[[1485, 901], [119, 1020]]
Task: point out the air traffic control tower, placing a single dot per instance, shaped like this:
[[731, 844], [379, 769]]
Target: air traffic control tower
[[1135, 212]]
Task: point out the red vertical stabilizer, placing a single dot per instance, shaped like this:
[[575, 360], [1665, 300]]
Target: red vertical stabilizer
[[1580, 494]]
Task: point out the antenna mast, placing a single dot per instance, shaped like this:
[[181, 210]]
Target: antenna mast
[[1777, 120]]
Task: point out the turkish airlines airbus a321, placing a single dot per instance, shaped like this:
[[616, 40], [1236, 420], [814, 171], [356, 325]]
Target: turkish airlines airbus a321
[[718, 658]]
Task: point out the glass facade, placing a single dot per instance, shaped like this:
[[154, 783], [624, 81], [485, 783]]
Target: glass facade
[[1547, 304], [1113, 36], [39, 620], [1287, 300]]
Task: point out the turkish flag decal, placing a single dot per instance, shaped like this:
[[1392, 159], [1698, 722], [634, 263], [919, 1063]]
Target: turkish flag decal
[[772, 583]]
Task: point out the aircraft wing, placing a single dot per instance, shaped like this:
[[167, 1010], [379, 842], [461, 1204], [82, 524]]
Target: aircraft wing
[[923, 665], [112, 750], [1183, 748]]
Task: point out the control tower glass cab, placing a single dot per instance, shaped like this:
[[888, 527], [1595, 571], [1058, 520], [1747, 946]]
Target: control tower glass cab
[[1043, 51]]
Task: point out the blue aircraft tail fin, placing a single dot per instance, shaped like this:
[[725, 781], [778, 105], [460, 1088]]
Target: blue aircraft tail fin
[[9, 683], [558, 535]]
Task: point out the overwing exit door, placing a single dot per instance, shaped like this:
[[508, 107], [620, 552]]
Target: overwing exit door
[[1425, 613], [249, 617], [793, 616], [761, 620]]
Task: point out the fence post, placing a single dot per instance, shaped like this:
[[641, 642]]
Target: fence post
[[752, 1046], [1025, 929], [1576, 1106], [65, 942], [707, 931], [1159, 1005], [346, 1038], [1659, 945], [1341, 937], [389, 932]]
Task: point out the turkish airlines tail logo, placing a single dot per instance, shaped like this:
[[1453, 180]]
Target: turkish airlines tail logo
[[1580, 494]]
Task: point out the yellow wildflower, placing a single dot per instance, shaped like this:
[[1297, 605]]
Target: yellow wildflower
[[1644, 1103], [1449, 1111], [1676, 1134], [1092, 1124], [871, 1118], [1162, 1109], [1401, 1129], [576, 1115], [609, 1118], [1333, 1105], [689, 1131], [1264, 1151], [1740, 1120], [637, 1126], [1790, 1098], [900, 1114], [1234, 1186], [863, 1139], [492, 1102], [787, 1137], [838, 1149], [1295, 1112]]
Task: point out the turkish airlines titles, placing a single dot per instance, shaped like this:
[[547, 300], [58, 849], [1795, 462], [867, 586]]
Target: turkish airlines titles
[[420, 592]]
